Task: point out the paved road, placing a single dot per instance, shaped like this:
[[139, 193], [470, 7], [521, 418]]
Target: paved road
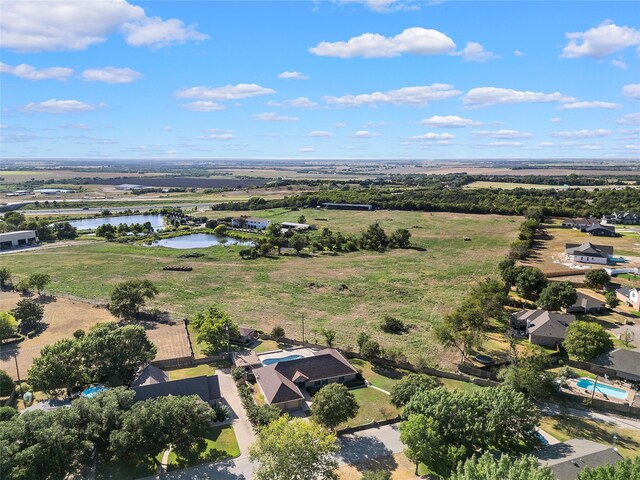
[[241, 426], [356, 448], [94, 210]]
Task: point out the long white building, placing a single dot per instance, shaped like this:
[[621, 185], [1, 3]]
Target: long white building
[[21, 238]]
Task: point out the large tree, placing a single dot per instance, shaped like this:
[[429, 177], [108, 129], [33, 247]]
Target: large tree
[[29, 314], [151, 426], [298, 242], [294, 450], [43, 446], [627, 469], [129, 297], [7, 384], [456, 424], [59, 365], [557, 295], [39, 281], [486, 467], [8, 325], [586, 340], [530, 282], [596, 279], [401, 238], [97, 417], [528, 375], [333, 405], [111, 351], [215, 328], [406, 388], [374, 238]]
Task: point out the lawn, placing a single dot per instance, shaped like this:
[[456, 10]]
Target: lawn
[[386, 377], [266, 346], [417, 285], [206, 369], [374, 405], [220, 444], [565, 427]]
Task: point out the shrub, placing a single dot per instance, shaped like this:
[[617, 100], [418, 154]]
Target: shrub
[[376, 475], [371, 349], [7, 413], [393, 325], [220, 412], [237, 373], [277, 332], [7, 385], [79, 333]]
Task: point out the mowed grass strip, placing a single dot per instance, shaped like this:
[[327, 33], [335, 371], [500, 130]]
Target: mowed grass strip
[[417, 285]]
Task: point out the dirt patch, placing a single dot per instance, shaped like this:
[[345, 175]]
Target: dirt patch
[[63, 316]]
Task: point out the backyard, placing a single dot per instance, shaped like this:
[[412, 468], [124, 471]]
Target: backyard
[[345, 292]]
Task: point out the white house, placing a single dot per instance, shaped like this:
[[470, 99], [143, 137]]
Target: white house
[[630, 296], [250, 222], [21, 238], [588, 253]]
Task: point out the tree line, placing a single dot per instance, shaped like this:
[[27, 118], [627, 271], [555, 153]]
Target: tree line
[[15, 221], [567, 202]]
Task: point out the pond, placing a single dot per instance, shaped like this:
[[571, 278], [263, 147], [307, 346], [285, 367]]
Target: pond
[[93, 223], [198, 240]]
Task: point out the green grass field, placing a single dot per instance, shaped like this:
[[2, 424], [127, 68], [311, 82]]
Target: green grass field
[[374, 405], [416, 285], [220, 444], [206, 369]]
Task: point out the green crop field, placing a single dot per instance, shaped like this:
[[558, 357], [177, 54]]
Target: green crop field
[[347, 292]]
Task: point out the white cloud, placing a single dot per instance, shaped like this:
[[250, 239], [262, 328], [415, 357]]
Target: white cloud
[[589, 147], [384, 6], [594, 104], [619, 64], [475, 52], [632, 90], [203, 106], [60, 106], [502, 133], [76, 126], [306, 150], [155, 32], [40, 26], [418, 96], [300, 102], [167, 129], [365, 134], [489, 96], [320, 134], [505, 144], [633, 146], [217, 134], [415, 41], [111, 75], [340, 124], [227, 92], [518, 53], [293, 76], [31, 73], [274, 117], [555, 120], [448, 121], [629, 119], [600, 132], [433, 136], [600, 41]]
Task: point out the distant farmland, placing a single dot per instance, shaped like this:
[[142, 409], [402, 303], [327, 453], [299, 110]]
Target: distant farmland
[[184, 182]]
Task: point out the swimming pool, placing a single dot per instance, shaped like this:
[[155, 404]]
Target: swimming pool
[[271, 361], [93, 391], [602, 388]]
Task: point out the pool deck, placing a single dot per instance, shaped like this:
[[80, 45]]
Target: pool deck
[[575, 389], [285, 352]]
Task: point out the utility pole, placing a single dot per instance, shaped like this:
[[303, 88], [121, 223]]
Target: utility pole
[[595, 384], [15, 358], [302, 316]]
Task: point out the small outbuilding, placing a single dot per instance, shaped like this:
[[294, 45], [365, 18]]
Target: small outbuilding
[[21, 238], [586, 304]]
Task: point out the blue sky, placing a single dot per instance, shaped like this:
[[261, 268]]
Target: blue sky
[[324, 79]]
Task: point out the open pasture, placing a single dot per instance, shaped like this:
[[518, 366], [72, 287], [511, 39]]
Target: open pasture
[[347, 292]]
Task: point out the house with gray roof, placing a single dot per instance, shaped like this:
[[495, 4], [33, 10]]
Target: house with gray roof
[[206, 387], [149, 375], [599, 230], [283, 383], [586, 304], [544, 328], [622, 218], [629, 296], [567, 459], [589, 253], [625, 363]]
